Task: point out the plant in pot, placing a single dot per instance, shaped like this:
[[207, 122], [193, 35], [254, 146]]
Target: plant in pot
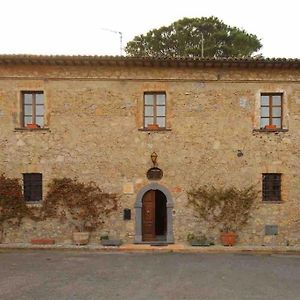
[[228, 208], [85, 205], [199, 240], [32, 126], [12, 205], [271, 127], [152, 127]]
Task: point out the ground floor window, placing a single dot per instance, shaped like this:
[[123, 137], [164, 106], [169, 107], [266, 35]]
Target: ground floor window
[[32, 186], [271, 187]]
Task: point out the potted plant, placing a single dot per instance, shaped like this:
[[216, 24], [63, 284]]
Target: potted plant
[[104, 236], [81, 232], [198, 240], [228, 208], [152, 126], [105, 240], [270, 127], [84, 205], [228, 238], [81, 237], [32, 126], [115, 242]]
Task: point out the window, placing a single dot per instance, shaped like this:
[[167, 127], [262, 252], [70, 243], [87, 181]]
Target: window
[[155, 110], [271, 187], [33, 108], [33, 189], [271, 111]]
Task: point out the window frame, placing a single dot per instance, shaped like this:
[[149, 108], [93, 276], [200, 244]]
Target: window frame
[[271, 186], [34, 105], [271, 106], [28, 187], [155, 106]]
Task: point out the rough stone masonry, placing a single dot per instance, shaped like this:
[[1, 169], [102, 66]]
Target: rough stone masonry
[[94, 130]]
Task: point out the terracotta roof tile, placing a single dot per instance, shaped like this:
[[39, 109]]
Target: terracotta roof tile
[[17, 59]]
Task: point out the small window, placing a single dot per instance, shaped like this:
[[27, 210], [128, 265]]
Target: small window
[[271, 187], [33, 109], [154, 110], [33, 187], [271, 111]]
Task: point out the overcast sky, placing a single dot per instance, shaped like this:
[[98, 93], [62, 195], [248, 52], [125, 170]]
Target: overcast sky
[[75, 26]]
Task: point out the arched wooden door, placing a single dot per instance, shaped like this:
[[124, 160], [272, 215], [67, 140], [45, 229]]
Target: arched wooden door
[[154, 216], [148, 216], [145, 225]]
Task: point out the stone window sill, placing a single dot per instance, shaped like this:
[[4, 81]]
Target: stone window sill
[[155, 130], [24, 129], [270, 130], [272, 202]]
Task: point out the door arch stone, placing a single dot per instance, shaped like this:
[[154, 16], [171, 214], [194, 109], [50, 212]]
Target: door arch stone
[[138, 211]]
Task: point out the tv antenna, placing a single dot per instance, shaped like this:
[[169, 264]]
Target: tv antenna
[[120, 35], [202, 45]]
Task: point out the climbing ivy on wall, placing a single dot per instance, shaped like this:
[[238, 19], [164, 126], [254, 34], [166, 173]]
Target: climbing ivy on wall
[[12, 204], [229, 208], [84, 204]]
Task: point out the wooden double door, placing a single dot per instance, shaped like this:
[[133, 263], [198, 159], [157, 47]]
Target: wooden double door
[[154, 216]]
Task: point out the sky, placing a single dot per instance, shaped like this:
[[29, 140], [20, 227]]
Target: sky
[[77, 27]]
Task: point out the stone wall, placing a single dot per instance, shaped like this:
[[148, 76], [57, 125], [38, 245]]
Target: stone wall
[[94, 117]]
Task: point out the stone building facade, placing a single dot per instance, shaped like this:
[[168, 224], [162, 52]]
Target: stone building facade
[[94, 125]]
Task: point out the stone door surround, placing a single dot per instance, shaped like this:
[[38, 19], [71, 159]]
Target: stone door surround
[[138, 211]]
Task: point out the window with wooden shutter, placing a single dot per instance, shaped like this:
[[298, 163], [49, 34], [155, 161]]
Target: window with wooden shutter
[[33, 187]]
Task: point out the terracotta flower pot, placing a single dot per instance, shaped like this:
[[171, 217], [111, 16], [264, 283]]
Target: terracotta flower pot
[[42, 241], [32, 126], [270, 127], [81, 238], [228, 238], [152, 126]]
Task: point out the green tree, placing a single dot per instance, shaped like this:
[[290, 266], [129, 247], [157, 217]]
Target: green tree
[[184, 37]]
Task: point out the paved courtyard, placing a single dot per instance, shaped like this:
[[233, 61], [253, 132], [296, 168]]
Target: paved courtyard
[[42, 274]]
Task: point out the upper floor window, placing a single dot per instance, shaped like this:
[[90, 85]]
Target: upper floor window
[[271, 111], [33, 187], [155, 110], [33, 109], [271, 187]]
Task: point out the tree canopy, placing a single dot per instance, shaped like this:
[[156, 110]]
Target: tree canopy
[[184, 38]]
